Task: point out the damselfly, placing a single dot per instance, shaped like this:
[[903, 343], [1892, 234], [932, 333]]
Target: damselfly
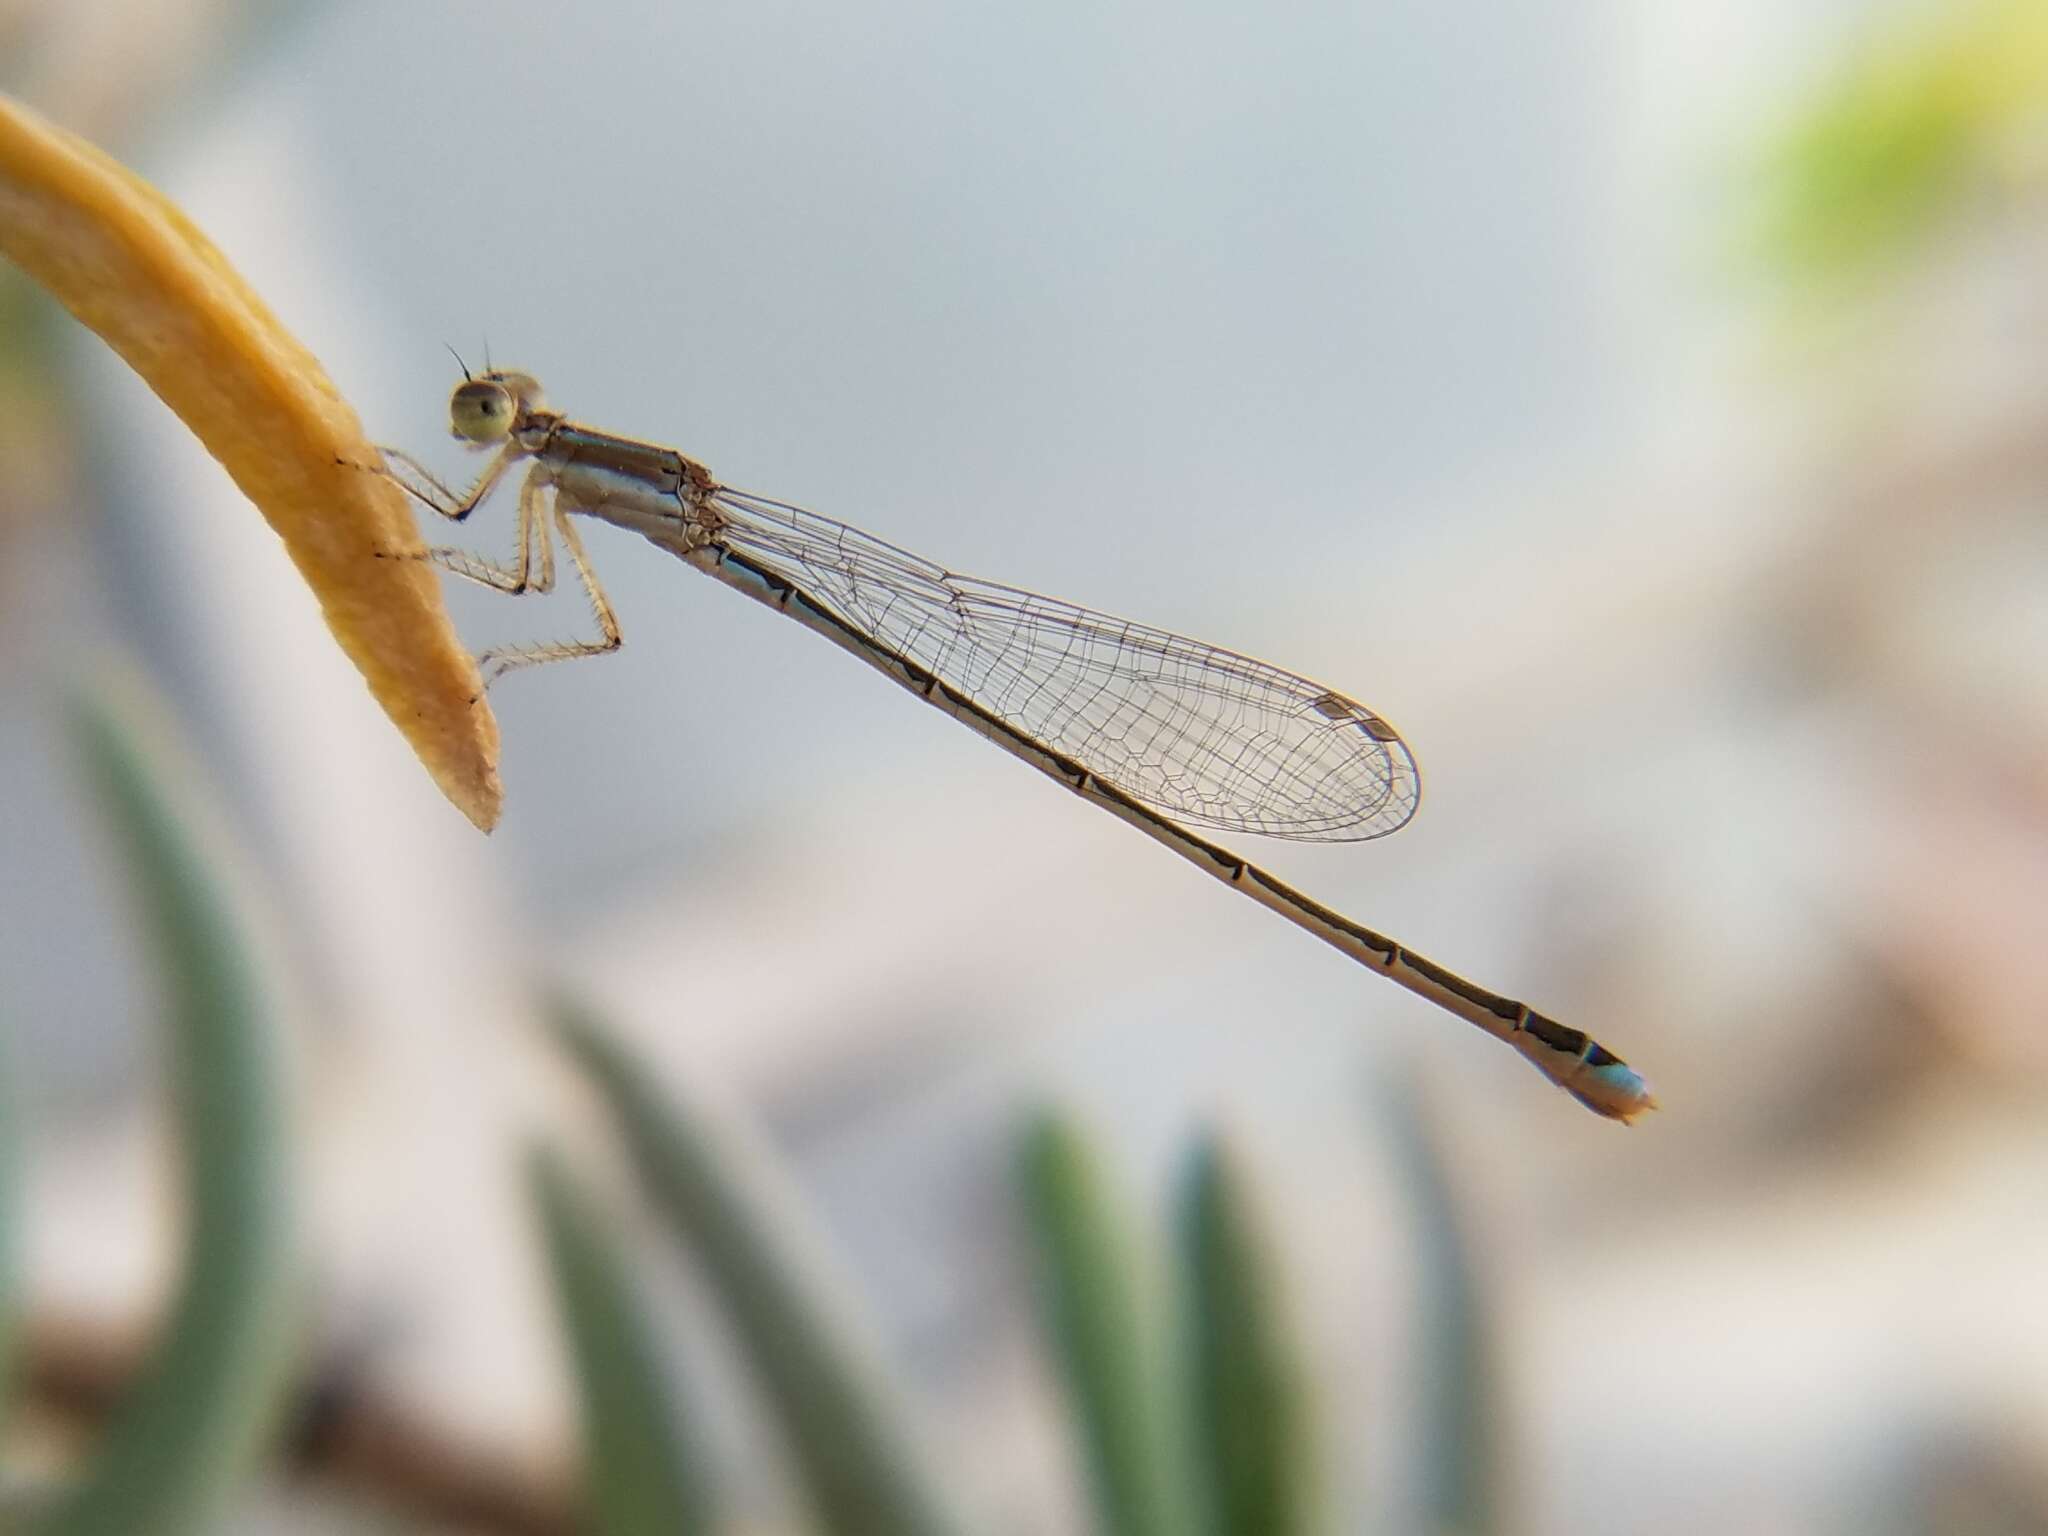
[[1161, 731]]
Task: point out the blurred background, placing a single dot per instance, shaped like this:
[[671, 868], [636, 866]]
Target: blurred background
[[1643, 406]]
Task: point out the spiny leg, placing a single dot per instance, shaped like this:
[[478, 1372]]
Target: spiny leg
[[534, 523], [535, 547], [436, 494], [496, 663]]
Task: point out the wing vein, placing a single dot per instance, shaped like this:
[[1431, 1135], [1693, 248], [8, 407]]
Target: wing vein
[[1198, 733]]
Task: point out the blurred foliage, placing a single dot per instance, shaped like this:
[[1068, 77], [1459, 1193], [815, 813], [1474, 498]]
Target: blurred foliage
[[1215, 1436], [1190, 1403], [1462, 1457], [10, 1272], [208, 1401], [36, 439], [1941, 111], [31, 327], [1254, 1416], [1112, 1318], [643, 1472], [841, 1411]]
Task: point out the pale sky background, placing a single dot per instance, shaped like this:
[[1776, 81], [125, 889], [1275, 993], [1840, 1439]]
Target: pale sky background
[[1276, 330]]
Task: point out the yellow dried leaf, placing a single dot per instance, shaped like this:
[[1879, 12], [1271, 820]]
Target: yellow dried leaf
[[128, 264]]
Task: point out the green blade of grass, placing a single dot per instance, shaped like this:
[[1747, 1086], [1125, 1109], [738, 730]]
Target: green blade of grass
[[208, 1399], [1466, 1485], [10, 1274], [1254, 1418], [642, 1474], [1111, 1320], [846, 1424]]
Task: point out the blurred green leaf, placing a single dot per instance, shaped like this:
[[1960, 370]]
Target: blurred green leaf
[[643, 1476], [1254, 1416], [1461, 1434], [10, 1275], [846, 1424], [1947, 105], [209, 1398], [1112, 1321]]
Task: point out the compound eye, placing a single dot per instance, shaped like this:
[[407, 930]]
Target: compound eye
[[480, 411]]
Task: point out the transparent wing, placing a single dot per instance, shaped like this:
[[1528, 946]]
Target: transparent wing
[[1202, 735]]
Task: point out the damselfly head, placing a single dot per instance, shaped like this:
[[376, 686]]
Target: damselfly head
[[485, 410]]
